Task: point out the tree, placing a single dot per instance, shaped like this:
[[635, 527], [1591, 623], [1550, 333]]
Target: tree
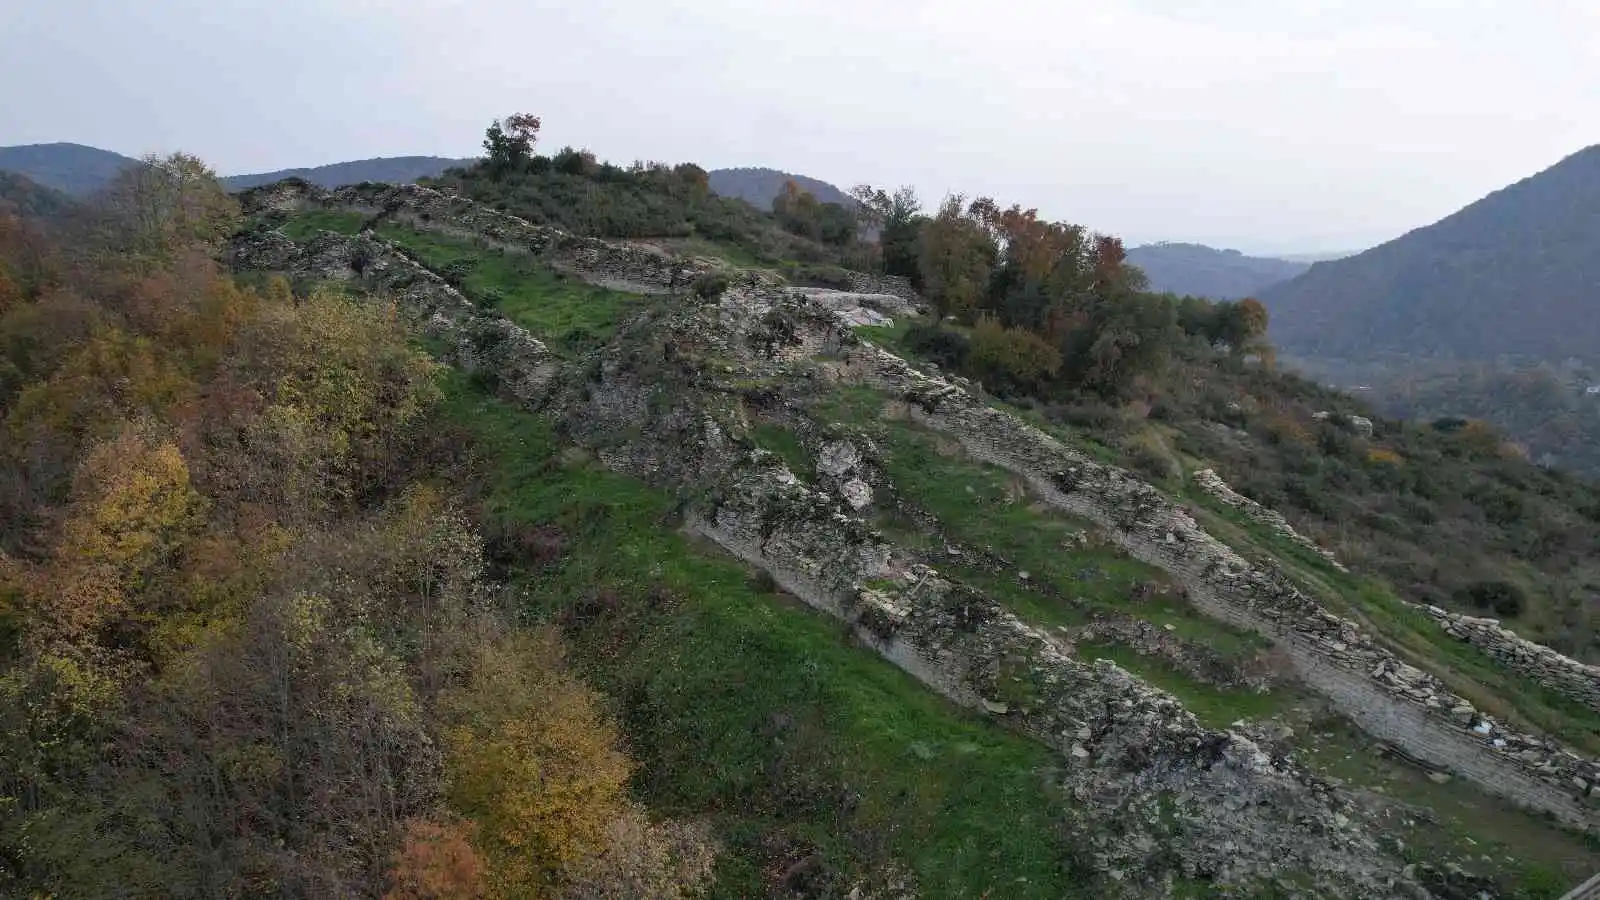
[[1011, 357], [899, 220], [534, 763], [152, 210], [955, 260], [510, 146], [436, 861]]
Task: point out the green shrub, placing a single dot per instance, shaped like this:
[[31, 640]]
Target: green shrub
[[710, 285]]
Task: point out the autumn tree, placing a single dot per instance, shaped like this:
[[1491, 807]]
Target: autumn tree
[[156, 208], [956, 256], [534, 763], [436, 861], [510, 145]]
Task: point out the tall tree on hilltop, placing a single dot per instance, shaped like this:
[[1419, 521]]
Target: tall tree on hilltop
[[510, 145]]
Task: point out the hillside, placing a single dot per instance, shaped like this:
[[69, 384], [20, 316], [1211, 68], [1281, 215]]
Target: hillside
[[72, 169], [758, 186], [1516, 273], [924, 515], [439, 552], [25, 197], [1200, 271], [389, 169]]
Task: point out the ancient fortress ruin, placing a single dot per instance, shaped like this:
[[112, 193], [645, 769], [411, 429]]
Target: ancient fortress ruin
[[1122, 742]]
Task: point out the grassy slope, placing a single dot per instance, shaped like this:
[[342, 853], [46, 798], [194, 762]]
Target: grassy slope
[[570, 314], [752, 711], [757, 713]]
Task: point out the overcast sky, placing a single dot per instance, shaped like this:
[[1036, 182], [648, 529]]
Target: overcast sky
[[1267, 125]]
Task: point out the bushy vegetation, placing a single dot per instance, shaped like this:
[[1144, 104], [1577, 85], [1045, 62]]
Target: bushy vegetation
[[576, 191], [249, 647]]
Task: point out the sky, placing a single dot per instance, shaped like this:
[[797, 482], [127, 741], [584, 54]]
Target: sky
[[1271, 126]]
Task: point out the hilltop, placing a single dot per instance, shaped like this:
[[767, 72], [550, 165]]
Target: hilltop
[[72, 169], [1201, 271], [1513, 274], [386, 169], [759, 186]]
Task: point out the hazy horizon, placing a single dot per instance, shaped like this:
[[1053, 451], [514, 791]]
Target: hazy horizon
[[1305, 127]]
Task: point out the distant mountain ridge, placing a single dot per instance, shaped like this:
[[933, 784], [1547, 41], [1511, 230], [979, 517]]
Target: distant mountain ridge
[[1202, 271], [72, 169], [1514, 274], [758, 186], [77, 170], [390, 169]]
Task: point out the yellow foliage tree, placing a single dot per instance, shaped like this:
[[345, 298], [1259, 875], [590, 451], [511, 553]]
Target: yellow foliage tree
[[132, 501], [535, 764]]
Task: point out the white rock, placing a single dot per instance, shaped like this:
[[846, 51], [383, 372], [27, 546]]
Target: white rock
[[837, 458], [857, 493]]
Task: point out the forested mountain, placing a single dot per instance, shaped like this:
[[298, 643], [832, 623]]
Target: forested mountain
[[759, 186], [1516, 273], [72, 169], [390, 169], [1200, 271], [25, 197]]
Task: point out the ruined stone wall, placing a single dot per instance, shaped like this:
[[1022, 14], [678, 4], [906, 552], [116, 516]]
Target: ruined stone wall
[[621, 266], [1422, 715], [894, 285], [1369, 683], [478, 341], [1132, 756], [1562, 674], [1210, 482]]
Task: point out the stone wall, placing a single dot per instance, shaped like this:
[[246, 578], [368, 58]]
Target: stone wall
[[1160, 795], [1210, 482], [1424, 717], [1561, 674], [478, 341], [894, 285], [621, 266], [1393, 700]]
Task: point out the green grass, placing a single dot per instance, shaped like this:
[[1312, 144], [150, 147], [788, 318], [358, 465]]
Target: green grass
[[1530, 857], [303, 226], [783, 442], [566, 312], [1215, 707], [988, 508], [759, 714]]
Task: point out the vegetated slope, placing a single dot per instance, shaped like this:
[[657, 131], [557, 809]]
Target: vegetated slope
[[1516, 273], [21, 195], [388, 169], [669, 205], [72, 169], [661, 386], [1200, 271], [759, 186]]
